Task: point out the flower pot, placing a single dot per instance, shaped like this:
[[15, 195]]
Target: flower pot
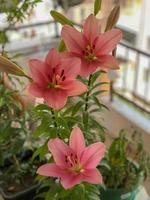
[[119, 194], [27, 194], [21, 191]]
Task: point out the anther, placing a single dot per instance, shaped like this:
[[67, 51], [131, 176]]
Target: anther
[[63, 78], [62, 73]]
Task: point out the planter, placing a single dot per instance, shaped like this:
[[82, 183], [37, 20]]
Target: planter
[[10, 189], [118, 194], [27, 194]]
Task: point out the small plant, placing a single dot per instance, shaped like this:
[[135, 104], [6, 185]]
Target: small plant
[[15, 138], [126, 164]]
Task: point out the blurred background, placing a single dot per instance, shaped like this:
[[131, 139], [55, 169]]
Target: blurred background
[[128, 95]]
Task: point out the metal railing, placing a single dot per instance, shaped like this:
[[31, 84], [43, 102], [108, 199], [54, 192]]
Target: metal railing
[[133, 82]]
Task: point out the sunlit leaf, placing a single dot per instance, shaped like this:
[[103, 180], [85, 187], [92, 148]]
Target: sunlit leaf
[[97, 6], [58, 17]]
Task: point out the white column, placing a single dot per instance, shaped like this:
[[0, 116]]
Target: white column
[[144, 29]]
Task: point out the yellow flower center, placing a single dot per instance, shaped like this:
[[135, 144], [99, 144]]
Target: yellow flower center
[[89, 53], [55, 79], [73, 163]]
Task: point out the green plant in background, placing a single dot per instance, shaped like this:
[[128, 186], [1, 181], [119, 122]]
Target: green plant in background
[[17, 10], [126, 164], [16, 126], [14, 11]]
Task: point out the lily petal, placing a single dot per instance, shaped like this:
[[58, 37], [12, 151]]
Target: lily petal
[[73, 39], [70, 180], [91, 28], [92, 155], [87, 68], [53, 58], [92, 176], [77, 142], [35, 90], [50, 170], [74, 87], [59, 150], [108, 41], [71, 67], [37, 71], [108, 61], [56, 98]]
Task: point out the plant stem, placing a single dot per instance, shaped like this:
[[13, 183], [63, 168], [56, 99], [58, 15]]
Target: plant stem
[[55, 123], [54, 118], [88, 93], [3, 48]]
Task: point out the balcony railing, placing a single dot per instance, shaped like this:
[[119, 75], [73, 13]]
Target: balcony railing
[[133, 82]]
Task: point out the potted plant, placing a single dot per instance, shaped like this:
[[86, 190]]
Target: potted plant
[[17, 169], [67, 80], [124, 168]]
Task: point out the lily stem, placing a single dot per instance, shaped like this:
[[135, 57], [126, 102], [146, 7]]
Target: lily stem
[[54, 118], [87, 94], [55, 123]]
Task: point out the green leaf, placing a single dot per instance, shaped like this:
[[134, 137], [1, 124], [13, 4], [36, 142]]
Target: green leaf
[[3, 37], [41, 152], [42, 107], [17, 146], [95, 76], [58, 17], [97, 125], [42, 128], [98, 85], [77, 107], [99, 92], [96, 100], [85, 120], [62, 46], [97, 6]]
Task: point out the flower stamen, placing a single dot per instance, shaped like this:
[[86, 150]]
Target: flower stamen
[[89, 53], [56, 79], [73, 163]]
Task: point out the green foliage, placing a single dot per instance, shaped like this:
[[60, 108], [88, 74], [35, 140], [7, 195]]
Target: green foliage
[[52, 190], [97, 6], [128, 160], [3, 37], [58, 17], [17, 10], [16, 126], [14, 123], [62, 46]]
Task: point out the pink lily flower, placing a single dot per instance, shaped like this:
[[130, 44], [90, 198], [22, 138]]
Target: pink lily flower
[[74, 163], [92, 46], [54, 79]]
